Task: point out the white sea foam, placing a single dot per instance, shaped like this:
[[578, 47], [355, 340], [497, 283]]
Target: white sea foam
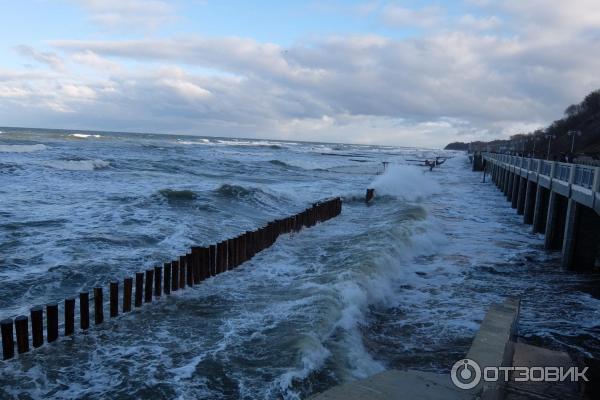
[[21, 148], [258, 143], [315, 304], [188, 142], [200, 141], [236, 142], [406, 182], [313, 356], [78, 165], [84, 135]]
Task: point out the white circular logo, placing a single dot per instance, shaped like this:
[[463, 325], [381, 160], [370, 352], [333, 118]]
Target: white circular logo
[[465, 374]]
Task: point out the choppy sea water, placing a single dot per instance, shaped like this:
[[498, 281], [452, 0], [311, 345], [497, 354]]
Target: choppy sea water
[[401, 283]]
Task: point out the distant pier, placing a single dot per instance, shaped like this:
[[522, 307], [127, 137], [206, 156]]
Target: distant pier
[[560, 200]]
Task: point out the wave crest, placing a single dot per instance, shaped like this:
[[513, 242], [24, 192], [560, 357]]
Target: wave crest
[[234, 191], [178, 195], [21, 148], [248, 194], [78, 165], [84, 135], [280, 163]]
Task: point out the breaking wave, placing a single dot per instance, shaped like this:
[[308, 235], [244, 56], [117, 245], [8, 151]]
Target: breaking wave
[[248, 194], [406, 182], [84, 135], [21, 148], [178, 195], [302, 164], [284, 164], [78, 165], [235, 191]]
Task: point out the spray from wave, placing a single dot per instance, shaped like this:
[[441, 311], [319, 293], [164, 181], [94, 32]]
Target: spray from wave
[[405, 182]]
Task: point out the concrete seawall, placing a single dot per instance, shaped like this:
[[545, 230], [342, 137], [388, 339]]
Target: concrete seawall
[[560, 200], [492, 346]]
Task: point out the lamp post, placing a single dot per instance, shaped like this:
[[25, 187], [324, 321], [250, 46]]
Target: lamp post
[[534, 140], [573, 134], [549, 137]]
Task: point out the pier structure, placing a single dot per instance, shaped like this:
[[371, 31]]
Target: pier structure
[[559, 200]]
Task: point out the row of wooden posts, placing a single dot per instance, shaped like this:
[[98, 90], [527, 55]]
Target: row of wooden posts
[[189, 270]]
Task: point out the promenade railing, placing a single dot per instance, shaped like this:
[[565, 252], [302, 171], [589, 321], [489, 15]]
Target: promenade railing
[[586, 176]]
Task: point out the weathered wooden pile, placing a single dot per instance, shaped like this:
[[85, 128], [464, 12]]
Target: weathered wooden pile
[[188, 270]]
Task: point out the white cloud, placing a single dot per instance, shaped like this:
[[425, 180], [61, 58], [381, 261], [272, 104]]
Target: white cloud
[[128, 14], [177, 80], [94, 61], [9, 91], [77, 92], [469, 21], [467, 81], [399, 16], [48, 58]]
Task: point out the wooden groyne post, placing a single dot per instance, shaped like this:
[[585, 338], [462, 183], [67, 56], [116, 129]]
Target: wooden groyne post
[[188, 270], [37, 326]]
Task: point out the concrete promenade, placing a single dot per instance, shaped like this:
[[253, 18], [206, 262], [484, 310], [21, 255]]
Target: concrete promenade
[[559, 200], [494, 345]]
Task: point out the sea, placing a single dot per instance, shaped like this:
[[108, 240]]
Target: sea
[[401, 282]]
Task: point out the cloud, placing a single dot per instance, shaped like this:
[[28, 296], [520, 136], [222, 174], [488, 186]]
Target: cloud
[[77, 92], [128, 14], [469, 21], [497, 70], [185, 87], [232, 54], [94, 61], [48, 58], [551, 22], [399, 16], [370, 81]]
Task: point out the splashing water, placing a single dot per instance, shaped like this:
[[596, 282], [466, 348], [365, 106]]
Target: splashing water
[[405, 182], [402, 282]]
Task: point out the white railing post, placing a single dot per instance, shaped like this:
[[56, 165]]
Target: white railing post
[[572, 174], [596, 184]]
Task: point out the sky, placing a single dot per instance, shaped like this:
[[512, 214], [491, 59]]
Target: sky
[[410, 73]]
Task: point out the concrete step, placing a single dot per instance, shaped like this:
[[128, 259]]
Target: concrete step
[[532, 356], [493, 345], [397, 385]]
